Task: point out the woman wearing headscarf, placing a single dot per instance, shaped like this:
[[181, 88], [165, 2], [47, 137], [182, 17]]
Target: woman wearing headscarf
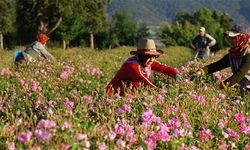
[[238, 59], [33, 51]]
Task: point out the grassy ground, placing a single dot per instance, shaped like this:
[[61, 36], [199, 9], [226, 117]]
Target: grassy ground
[[107, 60], [62, 105]]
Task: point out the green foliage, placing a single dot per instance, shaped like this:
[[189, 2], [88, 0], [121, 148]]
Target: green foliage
[[7, 20], [43, 16], [177, 34], [167, 34], [185, 27], [95, 17], [142, 31], [26, 22], [33, 16], [10, 40], [103, 39], [70, 28], [7, 17], [203, 17], [123, 29], [95, 20]]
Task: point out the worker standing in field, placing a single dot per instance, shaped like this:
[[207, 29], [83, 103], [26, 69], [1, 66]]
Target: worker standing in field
[[33, 51], [238, 59], [201, 44], [136, 70]]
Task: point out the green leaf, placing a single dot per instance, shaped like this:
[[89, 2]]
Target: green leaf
[[74, 147], [143, 144]]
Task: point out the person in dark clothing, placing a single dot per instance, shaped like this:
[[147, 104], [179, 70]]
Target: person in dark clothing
[[238, 59], [202, 43]]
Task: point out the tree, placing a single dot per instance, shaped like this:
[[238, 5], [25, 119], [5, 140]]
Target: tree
[[70, 28], [95, 20], [123, 29], [183, 17], [203, 17], [43, 16], [185, 27], [225, 24], [142, 31], [7, 18], [167, 33], [216, 24]]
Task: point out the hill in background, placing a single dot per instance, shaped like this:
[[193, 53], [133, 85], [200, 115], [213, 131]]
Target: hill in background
[[154, 12]]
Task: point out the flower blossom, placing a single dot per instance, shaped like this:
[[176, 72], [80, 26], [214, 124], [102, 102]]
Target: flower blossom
[[24, 137]]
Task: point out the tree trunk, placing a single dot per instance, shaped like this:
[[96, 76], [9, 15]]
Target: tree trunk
[[42, 24], [67, 44], [1, 41], [55, 26], [64, 44], [92, 46]]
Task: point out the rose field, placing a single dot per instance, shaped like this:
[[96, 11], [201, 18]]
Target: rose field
[[62, 104]]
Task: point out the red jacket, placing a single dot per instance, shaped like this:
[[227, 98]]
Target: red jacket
[[132, 73]]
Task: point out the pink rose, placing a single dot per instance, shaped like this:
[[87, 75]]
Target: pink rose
[[24, 137], [146, 116], [46, 124], [42, 134], [69, 104]]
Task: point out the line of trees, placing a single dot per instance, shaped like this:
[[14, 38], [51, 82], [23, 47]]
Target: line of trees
[[85, 23], [45, 16], [76, 22], [186, 26]]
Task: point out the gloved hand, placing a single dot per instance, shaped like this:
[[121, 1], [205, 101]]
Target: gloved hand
[[178, 77], [199, 72], [223, 86]]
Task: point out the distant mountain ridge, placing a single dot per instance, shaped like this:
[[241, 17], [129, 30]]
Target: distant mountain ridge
[[154, 12]]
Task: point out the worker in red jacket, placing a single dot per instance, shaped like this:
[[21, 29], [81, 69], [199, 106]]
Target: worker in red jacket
[[136, 70]]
